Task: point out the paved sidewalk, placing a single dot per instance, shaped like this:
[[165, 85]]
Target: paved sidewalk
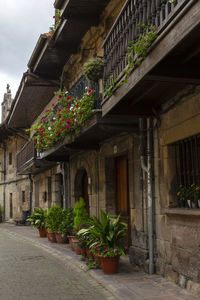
[[129, 283]]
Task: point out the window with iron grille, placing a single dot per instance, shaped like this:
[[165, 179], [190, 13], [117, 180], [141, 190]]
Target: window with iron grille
[[187, 159]]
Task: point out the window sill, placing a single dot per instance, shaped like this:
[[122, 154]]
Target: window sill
[[182, 212]]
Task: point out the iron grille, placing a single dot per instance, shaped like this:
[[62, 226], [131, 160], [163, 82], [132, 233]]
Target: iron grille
[[79, 88], [187, 157]]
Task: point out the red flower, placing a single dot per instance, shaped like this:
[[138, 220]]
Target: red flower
[[59, 97], [53, 104], [68, 97], [77, 105], [63, 120], [80, 112], [56, 132], [63, 128]]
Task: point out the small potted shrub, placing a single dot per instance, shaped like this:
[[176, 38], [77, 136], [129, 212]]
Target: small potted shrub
[[93, 69], [66, 226], [81, 219], [107, 235], [38, 220], [54, 217]]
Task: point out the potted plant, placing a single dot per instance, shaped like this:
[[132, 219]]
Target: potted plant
[[107, 235], [54, 217], [1, 213], [80, 219], [66, 225], [93, 69], [38, 220]]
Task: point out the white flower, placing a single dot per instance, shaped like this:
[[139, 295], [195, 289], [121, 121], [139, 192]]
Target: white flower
[[54, 118], [49, 128]]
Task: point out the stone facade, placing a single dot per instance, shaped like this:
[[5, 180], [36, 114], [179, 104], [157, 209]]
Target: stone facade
[[96, 174], [16, 187]]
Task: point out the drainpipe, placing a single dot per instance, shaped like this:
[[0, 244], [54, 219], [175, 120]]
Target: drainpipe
[[31, 192], [148, 168]]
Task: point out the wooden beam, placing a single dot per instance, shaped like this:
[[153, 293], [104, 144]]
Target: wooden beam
[[172, 80]]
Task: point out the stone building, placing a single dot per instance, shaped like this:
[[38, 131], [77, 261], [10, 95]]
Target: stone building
[[14, 189], [140, 143]]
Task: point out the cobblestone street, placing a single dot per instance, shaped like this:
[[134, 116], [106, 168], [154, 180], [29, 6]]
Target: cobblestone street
[[34, 269], [30, 273]]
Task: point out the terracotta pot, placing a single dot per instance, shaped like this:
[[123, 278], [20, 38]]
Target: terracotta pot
[[42, 233], [61, 238], [70, 237], [51, 237], [89, 253], [77, 248], [109, 264], [83, 251]]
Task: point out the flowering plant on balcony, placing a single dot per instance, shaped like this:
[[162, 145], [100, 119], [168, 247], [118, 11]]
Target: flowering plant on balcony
[[65, 118], [57, 22]]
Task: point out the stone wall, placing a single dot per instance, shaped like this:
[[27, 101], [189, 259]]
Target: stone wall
[[14, 184], [177, 230]]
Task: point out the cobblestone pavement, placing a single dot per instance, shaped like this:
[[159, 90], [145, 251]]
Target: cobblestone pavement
[[33, 268], [31, 273]]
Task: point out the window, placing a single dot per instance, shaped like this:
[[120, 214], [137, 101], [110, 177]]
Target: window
[[187, 160], [10, 158], [23, 196]]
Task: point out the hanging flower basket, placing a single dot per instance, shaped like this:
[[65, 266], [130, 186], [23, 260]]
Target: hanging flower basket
[[93, 69]]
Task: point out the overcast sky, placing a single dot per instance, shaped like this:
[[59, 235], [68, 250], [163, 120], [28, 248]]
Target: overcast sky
[[21, 23]]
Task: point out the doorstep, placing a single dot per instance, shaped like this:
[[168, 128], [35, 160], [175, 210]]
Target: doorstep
[[128, 283]]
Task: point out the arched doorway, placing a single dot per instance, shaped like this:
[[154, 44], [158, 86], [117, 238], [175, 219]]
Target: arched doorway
[[81, 188]]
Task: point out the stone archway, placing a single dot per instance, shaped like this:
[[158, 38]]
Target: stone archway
[[81, 187]]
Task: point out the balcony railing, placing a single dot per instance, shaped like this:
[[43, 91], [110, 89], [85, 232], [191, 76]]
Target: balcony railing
[[26, 156], [153, 12], [81, 86]]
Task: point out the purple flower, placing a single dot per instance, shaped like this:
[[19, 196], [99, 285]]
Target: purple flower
[[106, 250], [115, 250]]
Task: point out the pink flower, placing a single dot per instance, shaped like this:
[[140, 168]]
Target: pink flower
[[106, 250], [115, 250]]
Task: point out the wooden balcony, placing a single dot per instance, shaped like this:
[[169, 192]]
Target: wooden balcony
[[28, 162], [172, 60]]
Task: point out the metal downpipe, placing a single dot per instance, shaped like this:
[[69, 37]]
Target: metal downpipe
[[148, 168]]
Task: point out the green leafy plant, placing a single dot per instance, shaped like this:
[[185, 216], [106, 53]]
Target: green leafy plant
[[136, 53], [63, 119], [57, 22], [54, 218], [67, 222], [172, 1], [80, 214], [106, 233], [93, 69], [38, 218]]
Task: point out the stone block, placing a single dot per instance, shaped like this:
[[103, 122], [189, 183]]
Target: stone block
[[170, 274], [164, 250], [184, 263], [182, 281], [163, 229], [139, 257], [193, 287], [186, 237]]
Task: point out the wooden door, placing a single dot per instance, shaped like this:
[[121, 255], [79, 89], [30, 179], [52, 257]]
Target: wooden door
[[122, 192]]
